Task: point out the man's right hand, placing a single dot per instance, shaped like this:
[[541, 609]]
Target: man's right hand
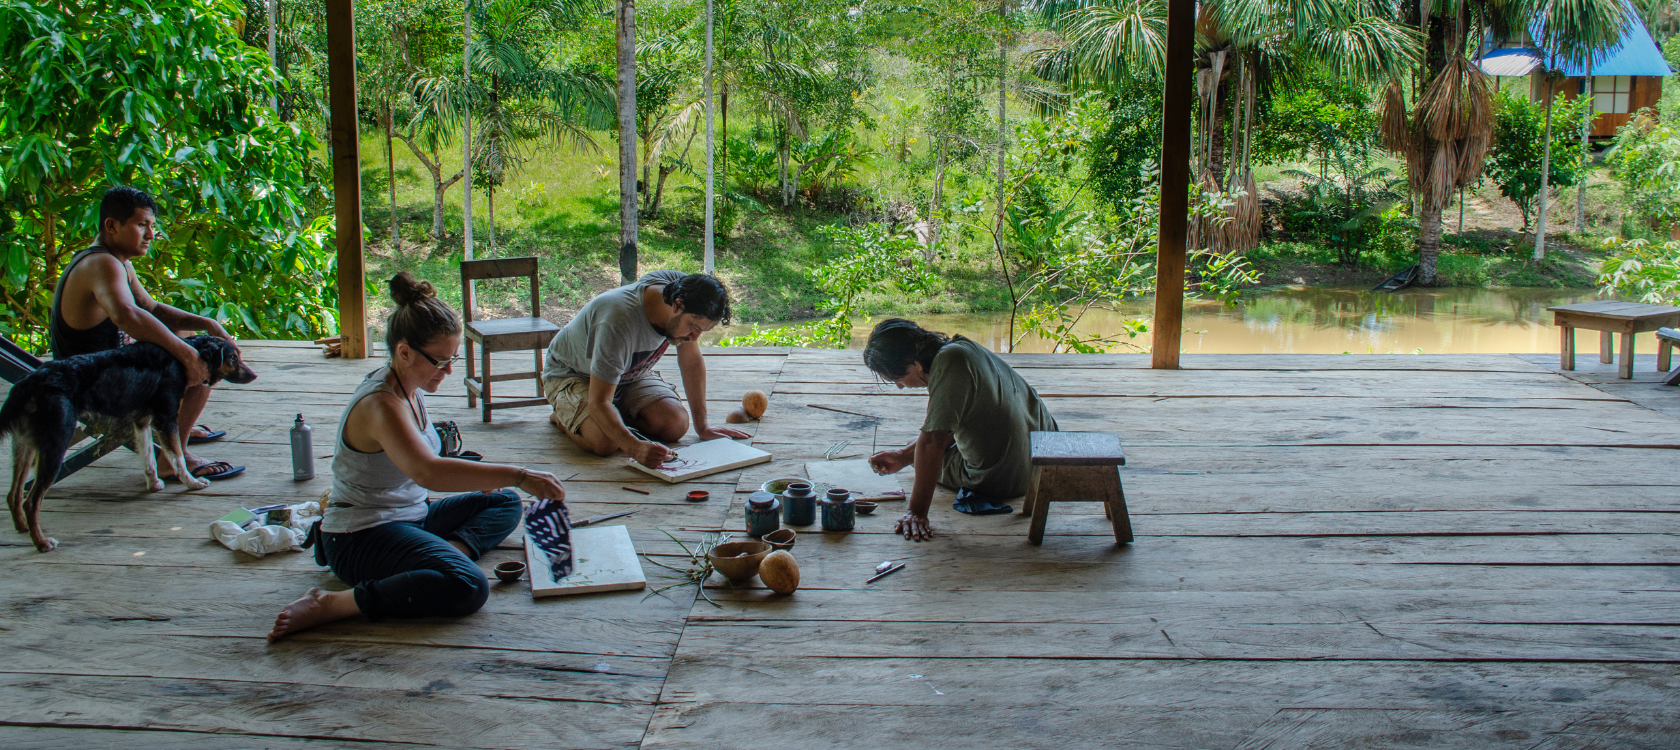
[[650, 455], [543, 485], [888, 462]]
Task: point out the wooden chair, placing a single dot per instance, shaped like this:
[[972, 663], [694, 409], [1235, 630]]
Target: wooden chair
[[503, 334], [1077, 466]]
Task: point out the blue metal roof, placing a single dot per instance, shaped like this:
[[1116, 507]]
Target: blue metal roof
[[1637, 55]]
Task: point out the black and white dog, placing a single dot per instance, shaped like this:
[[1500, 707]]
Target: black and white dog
[[136, 387]]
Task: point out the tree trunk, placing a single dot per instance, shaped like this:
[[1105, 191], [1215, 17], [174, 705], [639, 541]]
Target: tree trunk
[[440, 186], [710, 263], [723, 152], [1216, 135], [659, 190], [1429, 243], [782, 163], [1586, 136], [1545, 177], [1003, 123], [490, 221], [391, 175], [937, 202], [627, 214]]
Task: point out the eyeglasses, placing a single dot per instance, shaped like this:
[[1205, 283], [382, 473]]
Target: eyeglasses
[[441, 364]]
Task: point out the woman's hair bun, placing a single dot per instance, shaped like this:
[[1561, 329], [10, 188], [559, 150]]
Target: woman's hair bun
[[407, 290]]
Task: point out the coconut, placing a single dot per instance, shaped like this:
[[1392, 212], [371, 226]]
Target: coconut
[[780, 572], [755, 402], [737, 416]]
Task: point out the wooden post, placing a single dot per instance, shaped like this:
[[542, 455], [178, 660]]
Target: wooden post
[[1175, 184], [347, 176]]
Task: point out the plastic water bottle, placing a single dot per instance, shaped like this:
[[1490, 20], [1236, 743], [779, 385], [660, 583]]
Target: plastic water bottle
[[303, 451]]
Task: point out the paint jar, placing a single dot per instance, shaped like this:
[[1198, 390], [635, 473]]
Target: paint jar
[[763, 514], [839, 511], [799, 504]]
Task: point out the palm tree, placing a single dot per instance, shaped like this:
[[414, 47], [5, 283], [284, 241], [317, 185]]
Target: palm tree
[[626, 41], [1572, 33], [1444, 132], [1242, 48]]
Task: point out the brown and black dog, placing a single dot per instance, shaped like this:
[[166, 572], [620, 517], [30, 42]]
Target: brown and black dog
[[136, 387]]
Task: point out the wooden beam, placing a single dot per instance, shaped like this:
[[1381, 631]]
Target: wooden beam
[[1175, 184], [347, 176]]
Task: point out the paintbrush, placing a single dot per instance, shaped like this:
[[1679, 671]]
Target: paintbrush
[[598, 519], [887, 572]]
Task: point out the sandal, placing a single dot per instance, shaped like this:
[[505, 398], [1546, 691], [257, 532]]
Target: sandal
[[224, 471], [208, 436]]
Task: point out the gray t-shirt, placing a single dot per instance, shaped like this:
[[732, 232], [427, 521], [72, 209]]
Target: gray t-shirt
[[989, 411], [610, 338]]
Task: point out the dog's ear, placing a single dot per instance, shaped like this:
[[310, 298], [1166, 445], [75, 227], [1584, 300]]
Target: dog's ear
[[214, 357]]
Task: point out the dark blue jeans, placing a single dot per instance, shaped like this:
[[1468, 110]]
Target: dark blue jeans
[[403, 569]]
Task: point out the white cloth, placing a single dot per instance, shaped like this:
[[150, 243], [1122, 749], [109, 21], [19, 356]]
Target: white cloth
[[261, 540]]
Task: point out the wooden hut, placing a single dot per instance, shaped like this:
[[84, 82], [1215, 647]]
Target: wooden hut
[[1623, 81]]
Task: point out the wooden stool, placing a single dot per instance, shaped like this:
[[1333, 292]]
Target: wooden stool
[[503, 334], [1077, 466]]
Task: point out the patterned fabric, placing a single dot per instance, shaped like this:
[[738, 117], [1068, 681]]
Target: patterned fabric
[[550, 526]]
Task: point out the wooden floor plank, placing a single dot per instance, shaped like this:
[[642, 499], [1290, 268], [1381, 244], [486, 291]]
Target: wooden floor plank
[[1332, 551]]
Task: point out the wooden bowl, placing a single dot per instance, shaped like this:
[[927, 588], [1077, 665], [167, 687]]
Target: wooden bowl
[[510, 571], [781, 539], [865, 507], [738, 561]]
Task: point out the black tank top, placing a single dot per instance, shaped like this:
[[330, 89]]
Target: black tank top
[[69, 342]]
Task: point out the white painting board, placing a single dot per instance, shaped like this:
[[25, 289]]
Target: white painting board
[[606, 561], [704, 459], [854, 475]]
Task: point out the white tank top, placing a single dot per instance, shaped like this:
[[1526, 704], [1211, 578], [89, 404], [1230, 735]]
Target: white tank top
[[368, 489]]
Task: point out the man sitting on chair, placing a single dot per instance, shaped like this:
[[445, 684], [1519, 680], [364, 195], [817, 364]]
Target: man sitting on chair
[[99, 298], [598, 374]]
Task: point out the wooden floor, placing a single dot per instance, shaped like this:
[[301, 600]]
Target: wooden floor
[[1333, 551]]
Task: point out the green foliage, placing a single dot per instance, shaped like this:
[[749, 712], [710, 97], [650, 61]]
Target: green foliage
[[1643, 270], [162, 95], [1647, 160], [1315, 117], [1342, 201], [1519, 138], [871, 259], [1131, 140]]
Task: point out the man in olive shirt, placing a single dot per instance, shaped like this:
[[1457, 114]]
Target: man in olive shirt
[[980, 414]]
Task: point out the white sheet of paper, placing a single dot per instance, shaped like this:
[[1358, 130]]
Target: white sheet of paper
[[854, 475], [704, 459], [606, 561]]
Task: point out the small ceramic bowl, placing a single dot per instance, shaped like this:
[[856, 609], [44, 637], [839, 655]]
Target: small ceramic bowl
[[864, 507], [738, 561], [779, 485], [510, 571], [698, 496], [781, 539]]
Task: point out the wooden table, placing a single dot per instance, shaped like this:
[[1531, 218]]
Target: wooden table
[[1610, 317]]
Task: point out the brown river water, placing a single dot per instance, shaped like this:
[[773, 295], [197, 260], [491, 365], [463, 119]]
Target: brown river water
[[1323, 320]]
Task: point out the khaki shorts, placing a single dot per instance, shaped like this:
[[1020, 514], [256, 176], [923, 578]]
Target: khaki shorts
[[570, 398]]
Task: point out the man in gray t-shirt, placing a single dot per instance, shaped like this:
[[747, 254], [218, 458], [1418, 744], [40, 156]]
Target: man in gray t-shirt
[[598, 374]]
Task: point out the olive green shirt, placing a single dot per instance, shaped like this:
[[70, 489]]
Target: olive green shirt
[[989, 411]]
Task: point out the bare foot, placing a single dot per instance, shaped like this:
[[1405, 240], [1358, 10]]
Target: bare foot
[[317, 607]]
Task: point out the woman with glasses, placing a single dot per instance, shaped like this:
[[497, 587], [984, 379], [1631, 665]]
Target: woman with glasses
[[406, 557]]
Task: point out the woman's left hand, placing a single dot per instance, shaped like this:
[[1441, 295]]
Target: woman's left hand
[[713, 433]]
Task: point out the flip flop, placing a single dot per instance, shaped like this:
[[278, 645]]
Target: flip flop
[[230, 471], [975, 504], [208, 436]]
